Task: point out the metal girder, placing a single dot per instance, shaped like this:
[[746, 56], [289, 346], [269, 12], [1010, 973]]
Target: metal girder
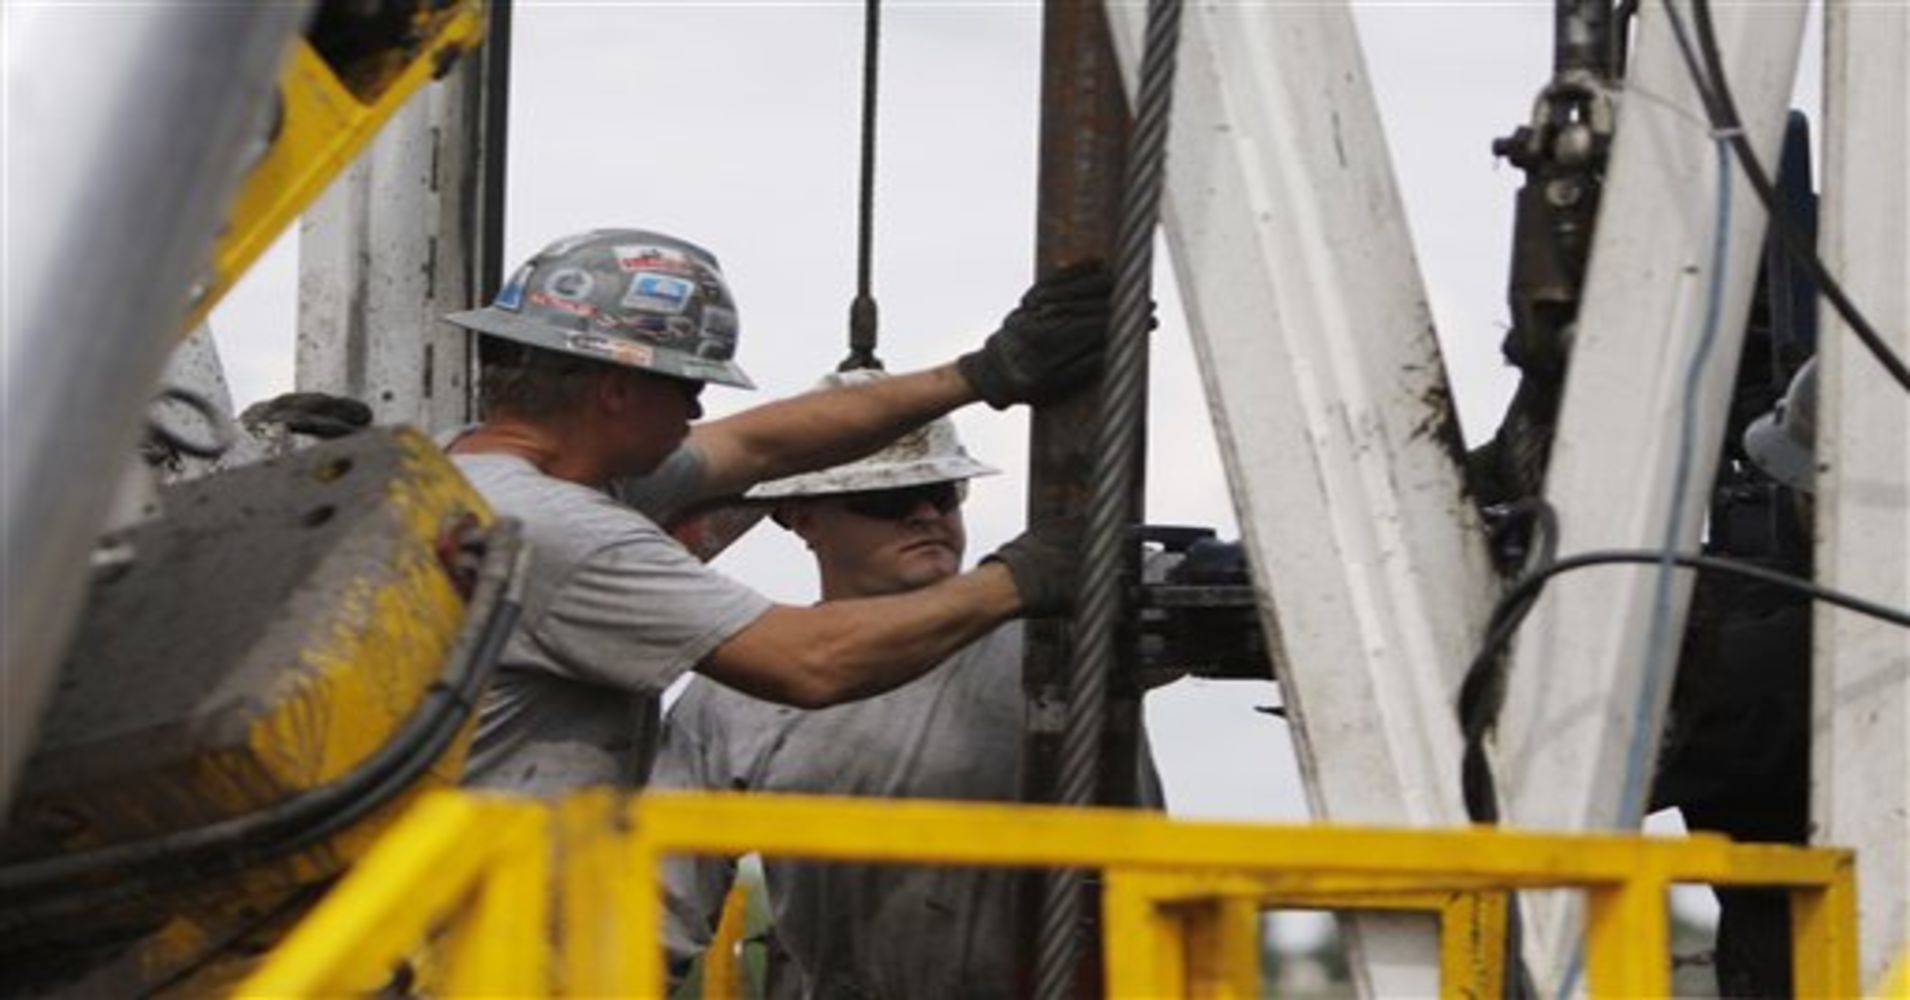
[[97, 262], [1329, 396], [388, 250], [1578, 735], [324, 115], [1861, 701], [1084, 130], [463, 866]]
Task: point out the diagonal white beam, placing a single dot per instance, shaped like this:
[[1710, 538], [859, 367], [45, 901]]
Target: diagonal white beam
[[1579, 731], [1861, 738], [1329, 398]]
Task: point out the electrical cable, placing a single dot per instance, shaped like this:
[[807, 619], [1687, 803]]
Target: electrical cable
[[1722, 110], [1475, 704], [169, 861], [862, 311], [1660, 643]]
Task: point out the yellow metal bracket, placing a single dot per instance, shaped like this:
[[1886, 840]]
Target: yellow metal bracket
[[325, 123], [1180, 898]]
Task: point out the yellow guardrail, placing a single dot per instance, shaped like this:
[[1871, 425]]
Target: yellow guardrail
[[529, 898], [723, 960]]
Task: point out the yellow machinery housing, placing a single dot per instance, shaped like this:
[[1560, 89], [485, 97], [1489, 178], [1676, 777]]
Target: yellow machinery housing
[[265, 675]]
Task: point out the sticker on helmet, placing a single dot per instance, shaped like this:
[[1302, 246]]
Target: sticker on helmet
[[644, 257], [621, 351], [572, 283], [550, 301], [719, 323], [658, 293], [511, 296]]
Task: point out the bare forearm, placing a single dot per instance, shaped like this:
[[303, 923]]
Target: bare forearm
[[820, 429], [845, 650]]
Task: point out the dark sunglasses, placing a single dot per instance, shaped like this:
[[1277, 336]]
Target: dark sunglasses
[[896, 504]]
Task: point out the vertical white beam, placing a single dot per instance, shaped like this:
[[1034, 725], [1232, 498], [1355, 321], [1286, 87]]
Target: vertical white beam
[[1579, 732], [385, 253], [1861, 732], [1329, 397]]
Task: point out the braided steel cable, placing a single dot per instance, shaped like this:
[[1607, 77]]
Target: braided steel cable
[[862, 313], [1119, 434]]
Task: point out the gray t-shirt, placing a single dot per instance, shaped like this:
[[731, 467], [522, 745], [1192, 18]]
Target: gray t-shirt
[[860, 930], [614, 610]]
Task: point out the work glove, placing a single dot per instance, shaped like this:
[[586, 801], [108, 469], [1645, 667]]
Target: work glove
[[1045, 562], [312, 413], [1049, 344]]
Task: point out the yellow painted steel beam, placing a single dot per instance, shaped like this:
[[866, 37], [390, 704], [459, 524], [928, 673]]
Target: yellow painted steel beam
[[1222, 941], [325, 125], [1472, 945], [722, 960], [1180, 901], [1145, 953], [1896, 983], [1628, 937], [410, 883], [1824, 938], [504, 948], [924, 832], [603, 884], [1472, 922]]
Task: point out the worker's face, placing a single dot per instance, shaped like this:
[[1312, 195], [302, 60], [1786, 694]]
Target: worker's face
[[650, 416], [886, 541]]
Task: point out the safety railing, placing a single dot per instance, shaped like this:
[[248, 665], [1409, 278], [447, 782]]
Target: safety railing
[[510, 896]]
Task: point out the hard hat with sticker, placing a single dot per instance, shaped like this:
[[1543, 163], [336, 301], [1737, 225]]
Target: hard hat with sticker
[[932, 453], [625, 296]]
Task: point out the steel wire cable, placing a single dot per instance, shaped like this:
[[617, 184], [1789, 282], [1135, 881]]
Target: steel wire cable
[[1722, 111], [862, 311], [1119, 434]]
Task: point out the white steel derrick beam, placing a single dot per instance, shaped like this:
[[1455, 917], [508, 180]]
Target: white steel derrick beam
[[1861, 716], [1329, 398], [127, 129], [1579, 731], [385, 253]]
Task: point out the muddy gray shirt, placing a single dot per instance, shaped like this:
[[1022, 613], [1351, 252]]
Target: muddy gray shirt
[[614, 610], [865, 931]]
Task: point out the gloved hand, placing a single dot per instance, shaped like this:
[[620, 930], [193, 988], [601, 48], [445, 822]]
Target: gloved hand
[[1049, 344], [1046, 564], [313, 413]]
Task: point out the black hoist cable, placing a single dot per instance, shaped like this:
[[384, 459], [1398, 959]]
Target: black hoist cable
[[862, 310]]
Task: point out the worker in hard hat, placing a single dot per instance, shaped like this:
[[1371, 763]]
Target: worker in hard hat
[[1736, 757], [593, 356], [1782, 443], [888, 524]]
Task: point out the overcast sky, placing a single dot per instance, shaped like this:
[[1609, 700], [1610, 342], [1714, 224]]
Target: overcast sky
[[735, 125]]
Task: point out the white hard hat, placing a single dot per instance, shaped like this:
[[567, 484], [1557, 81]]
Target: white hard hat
[[931, 453], [1782, 443]]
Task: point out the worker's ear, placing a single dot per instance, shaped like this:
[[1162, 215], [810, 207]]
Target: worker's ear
[[614, 391], [795, 516]]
